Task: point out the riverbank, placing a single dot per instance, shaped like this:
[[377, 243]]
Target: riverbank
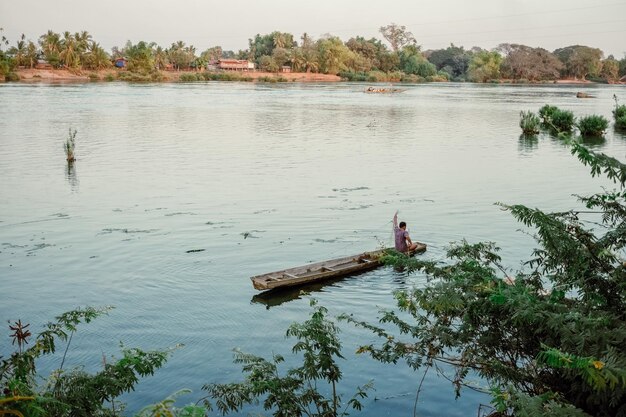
[[63, 75]]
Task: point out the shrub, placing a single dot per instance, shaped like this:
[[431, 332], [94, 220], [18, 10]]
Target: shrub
[[93, 76], [546, 112], [555, 119], [548, 339], [593, 125], [225, 76], [71, 392], [12, 76], [299, 391], [412, 78], [109, 77], [354, 76], [529, 122], [619, 113], [377, 76], [186, 78]]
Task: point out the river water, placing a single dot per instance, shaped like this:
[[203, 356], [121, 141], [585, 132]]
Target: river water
[[181, 192]]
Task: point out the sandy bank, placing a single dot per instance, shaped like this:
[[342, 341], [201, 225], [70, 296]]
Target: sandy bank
[[62, 75]]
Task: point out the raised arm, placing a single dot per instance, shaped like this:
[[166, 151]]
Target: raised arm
[[395, 220]]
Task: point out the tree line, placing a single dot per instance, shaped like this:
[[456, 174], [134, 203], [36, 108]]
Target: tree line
[[358, 58]]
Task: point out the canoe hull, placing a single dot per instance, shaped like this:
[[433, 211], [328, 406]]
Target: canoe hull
[[321, 271]]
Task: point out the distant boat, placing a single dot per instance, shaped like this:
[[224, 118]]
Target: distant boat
[[321, 271], [384, 90]]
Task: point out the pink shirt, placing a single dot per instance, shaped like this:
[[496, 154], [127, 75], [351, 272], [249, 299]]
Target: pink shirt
[[401, 236]]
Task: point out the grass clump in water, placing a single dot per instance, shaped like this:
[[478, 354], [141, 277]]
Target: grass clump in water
[[593, 125], [619, 114], [529, 122]]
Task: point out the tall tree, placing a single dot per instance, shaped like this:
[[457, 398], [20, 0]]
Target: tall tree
[[580, 61], [397, 36], [70, 51], [485, 66], [50, 43], [525, 62], [454, 60]]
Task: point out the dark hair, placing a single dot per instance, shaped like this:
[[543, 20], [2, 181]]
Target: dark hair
[[402, 224]]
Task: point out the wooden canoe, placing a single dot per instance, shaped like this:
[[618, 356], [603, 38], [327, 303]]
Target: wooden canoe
[[320, 271]]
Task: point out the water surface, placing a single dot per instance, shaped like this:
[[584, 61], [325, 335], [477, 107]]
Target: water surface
[[181, 192]]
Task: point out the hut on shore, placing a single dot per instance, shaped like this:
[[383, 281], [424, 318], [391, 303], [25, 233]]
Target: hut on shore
[[235, 65]]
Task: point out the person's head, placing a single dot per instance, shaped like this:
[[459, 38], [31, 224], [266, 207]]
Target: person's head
[[402, 225]]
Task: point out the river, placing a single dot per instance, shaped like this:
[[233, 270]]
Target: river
[[181, 192]]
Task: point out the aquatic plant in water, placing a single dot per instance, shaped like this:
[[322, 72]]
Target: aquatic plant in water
[[69, 145], [593, 125], [529, 122], [619, 114]]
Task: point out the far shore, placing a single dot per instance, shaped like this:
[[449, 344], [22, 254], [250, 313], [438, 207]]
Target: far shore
[[28, 75], [63, 75]]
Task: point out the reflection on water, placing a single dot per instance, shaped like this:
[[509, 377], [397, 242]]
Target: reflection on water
[[593, 142], [187, 190], [72, 176], [528, 143]]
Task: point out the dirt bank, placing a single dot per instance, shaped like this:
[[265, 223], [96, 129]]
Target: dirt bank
[[62, 75]]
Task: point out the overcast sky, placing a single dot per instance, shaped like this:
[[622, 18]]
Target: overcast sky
[[435, 23]]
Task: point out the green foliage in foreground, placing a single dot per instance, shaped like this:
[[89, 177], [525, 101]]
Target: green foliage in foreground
[[67, 393], [529, 122], [593, 125], [552, 339], [297, 392]]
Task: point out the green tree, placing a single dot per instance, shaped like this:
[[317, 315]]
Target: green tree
[[50, 43], [550, 339], [212, 54], [96, 57], [610, 70], [139, 56], [70, 51], [453, 60], [397, 36], [580, 61], [181, 56], [300, 391], [160, 57], [485, 66], [267, 63], [333, 55], [413, 62], [71, 392]]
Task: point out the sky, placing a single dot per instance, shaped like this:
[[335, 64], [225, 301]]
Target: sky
[[549, 24]]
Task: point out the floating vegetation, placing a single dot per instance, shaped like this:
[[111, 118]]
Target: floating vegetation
[[347, 190], [265, 211], [250, 234], [195, 250], [128, 231], [529, 122], [593, 125], [69, 145]]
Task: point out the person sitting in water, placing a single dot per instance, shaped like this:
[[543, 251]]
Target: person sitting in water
[[402, 238]]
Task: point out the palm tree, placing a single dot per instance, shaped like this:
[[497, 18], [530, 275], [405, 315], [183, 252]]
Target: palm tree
[[32, 54], [279, 40], [51, 47], [96, 57], [70, 53], [19, 51], [160, 57]]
